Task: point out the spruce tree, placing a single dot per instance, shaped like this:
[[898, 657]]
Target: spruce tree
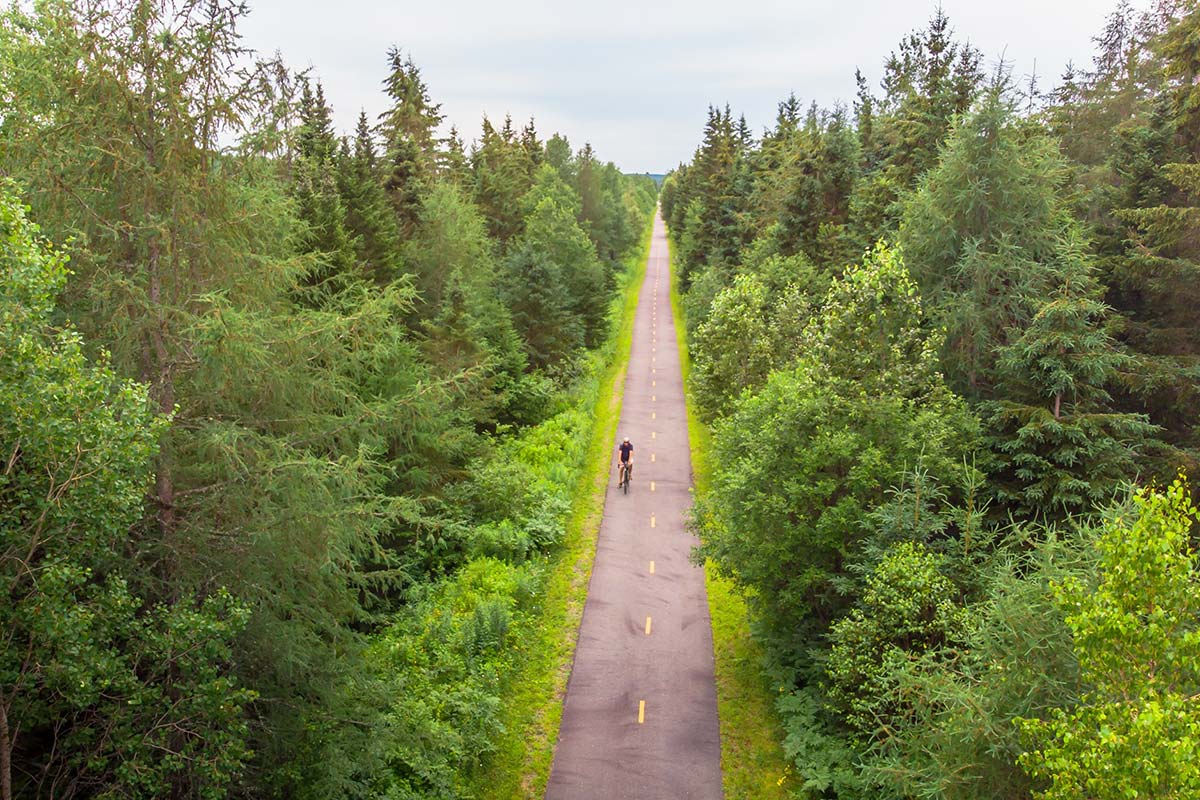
[[370, 219], [1154, 264], [503, 174], [413, 115], [1060, 447], [987, 235], [318, 201]]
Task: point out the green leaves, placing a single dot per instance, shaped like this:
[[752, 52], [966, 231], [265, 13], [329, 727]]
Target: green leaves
[[908, 612], [1134, 731], [136, 697], [806, 458]]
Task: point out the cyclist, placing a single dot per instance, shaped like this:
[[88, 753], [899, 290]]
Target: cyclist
[[626, 451]]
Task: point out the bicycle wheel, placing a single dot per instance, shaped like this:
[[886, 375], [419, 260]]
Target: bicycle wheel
[[625, 479]]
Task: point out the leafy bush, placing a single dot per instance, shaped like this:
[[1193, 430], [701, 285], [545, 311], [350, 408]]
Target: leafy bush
[[1135, 730]]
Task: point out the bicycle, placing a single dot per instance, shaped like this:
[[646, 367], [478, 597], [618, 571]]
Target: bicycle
[[626, 472]]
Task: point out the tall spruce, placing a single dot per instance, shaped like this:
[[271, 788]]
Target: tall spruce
[[370, 219], [1155, 258]]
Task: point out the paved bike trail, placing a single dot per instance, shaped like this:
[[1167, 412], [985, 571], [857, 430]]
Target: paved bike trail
[[640, 715]]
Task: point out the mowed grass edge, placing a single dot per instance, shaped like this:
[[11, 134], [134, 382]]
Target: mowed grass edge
[[533, 695], [753, 765]]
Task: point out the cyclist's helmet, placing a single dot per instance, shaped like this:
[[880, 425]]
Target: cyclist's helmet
[[627, 438]]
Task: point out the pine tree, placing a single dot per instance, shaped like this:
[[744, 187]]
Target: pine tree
[[318, 201], [987, 234], [1154, 264], [503, 174], [370, 219], [1060, 448]]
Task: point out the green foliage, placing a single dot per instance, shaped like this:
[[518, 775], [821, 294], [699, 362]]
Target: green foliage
[[328, 330], [990, 236], [900, 577], [1133, 732], [805, 459], [503, 174], [907, 612], [733, 349], [551, 230], [370, 220], [957, 737], [137, 697], [1061, 450]]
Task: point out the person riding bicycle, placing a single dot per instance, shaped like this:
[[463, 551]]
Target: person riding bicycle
[[626, 451]]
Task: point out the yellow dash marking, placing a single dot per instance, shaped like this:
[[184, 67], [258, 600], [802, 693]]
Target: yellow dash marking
[[653, 434], [652, 457], [641, 711], [653, 415], [652, 486], [651, 520], [654, 383], [651, 567], [653, 398], [647, 626]]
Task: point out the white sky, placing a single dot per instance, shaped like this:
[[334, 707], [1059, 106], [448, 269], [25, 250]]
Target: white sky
[[636, 78]]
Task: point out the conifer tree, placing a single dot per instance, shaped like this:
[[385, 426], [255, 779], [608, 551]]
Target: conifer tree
[[454, 165], [408, 128], [552, 231], [413, 115], [1060, 447], [318, 201], [1155, 260], [503, 173], [370, 219], [988, 235]]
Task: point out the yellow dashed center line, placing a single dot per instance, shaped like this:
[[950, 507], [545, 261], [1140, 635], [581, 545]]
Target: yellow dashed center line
[[652, 486], [651, 567], [653, 415], [651, 520], [641, 711], [652, 458], [647, 626]]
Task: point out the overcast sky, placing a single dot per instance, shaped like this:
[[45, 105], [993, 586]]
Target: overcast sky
[[635, 78]]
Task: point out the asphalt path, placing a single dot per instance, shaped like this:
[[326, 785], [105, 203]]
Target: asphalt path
[[640, 715]]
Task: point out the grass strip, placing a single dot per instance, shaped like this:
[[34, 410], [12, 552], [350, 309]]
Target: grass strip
[[753, 765], [533, 694]]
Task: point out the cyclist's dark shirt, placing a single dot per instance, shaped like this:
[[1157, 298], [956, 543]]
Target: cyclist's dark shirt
[[626, 449]]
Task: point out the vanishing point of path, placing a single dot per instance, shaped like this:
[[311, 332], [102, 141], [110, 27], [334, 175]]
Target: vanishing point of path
[[640, 716]]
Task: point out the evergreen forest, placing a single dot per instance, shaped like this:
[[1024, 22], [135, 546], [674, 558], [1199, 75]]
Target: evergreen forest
[[297, 423], [290, 419], [948, 343]]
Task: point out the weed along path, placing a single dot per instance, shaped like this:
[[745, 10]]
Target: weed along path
[[640, 716]]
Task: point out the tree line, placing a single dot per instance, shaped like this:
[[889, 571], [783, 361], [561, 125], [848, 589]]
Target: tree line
[[948, 340], [289, 418]]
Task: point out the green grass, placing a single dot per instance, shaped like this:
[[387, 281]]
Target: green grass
[[753, 765], [533, 694]]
